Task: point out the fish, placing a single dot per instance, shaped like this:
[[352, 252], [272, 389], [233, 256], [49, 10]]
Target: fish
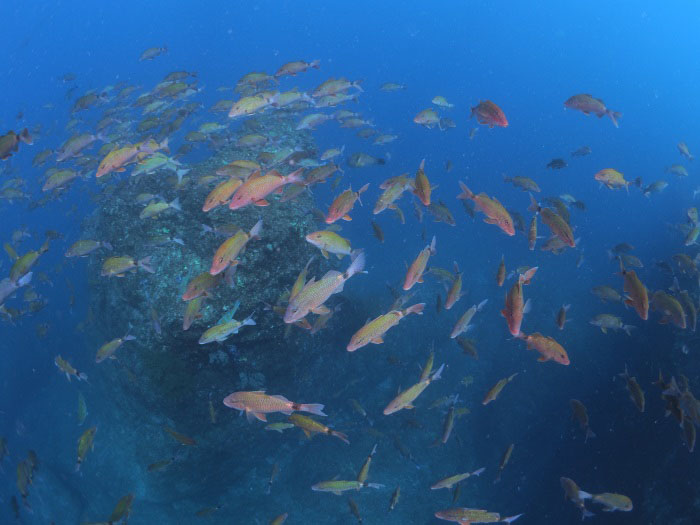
[[337, 487], [557, 164], [394, 498], [152, 52], [313, 294], [515, 307], [391, 86], [9, 142], [180, 438], [279, 427], [107, 350], [85, 247], [606, 293], [559, 227], [468, 347], [449, 482], [611, 322], [226, 327], [86, 442], [119, 265], [548, 348], [408, 396], [364, 470], [612, 501], [81, 415], [257, 187], [343, 204], [670, 309], [496, 389], [462, 324], [465, 516], [561, 316], [504, 461], [200, 286], [299, 66], [532, 233], [227, 253], [9, 287], [588, 104], [330, 242], [257, 404], [636, 293], [155, 208], [454, 293], [491, 207], [378, 233], [612, 179], [440, 213], [684, 151], [373, 331], [393, 190], [580, 414], [501, 272], [489, 114], [428, 118], [421, 185], [414, 274], [309, 427], [635, 391], [574, 494], [581, 152], [66, 368], [524, 183]]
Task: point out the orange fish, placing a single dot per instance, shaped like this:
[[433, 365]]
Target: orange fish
[[588, 104], [422, 185], [548, 348], [257, 187], [532, 233], [374, 330], [414, 274], [221, 193], [343, 203], [228, 251], [501, 273], [494, 210], [636, 293], [515, 308], [257, 404], [556, 223]]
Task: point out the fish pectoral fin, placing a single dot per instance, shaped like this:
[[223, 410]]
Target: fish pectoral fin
[[339, 255], [321, 310], [409, 407], [261, 202], [306, 433], [258, 415], [489, 220], [337, 493], [346, 217], [324, 253], [542, 359], [603, 329], [120, 169], [278, 191], [377, 340]]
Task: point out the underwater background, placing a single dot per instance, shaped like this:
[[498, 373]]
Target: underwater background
[[640, 58]]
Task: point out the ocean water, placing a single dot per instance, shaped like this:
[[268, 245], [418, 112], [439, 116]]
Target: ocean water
[[638, 57]]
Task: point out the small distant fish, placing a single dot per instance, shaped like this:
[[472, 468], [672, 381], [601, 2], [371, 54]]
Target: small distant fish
[[557, 164], [581, 152]]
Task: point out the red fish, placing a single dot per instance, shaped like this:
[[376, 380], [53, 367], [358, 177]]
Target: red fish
[[489, 114], [588, 104]]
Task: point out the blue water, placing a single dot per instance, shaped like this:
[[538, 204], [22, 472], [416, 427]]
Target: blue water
[[639, 57]]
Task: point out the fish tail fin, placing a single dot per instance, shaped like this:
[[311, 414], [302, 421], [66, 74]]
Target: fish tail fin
[[296, 177], [25, 137], [582, 494], [255, 230], [312, 408], [481, 305], [164, 145], [356, 85], [374, 485], [107, 245], [614, 116], [585, 513], [415, 309], [25, 279], [340, 436], [433, 251], [466, 192], [534, 206], [360, 192], [82, 376], [357, 264], [438, 373], [145, 264], [316, 64], [175, 204], [478, 472], [589, 434], [628, 328], [511, 519]]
